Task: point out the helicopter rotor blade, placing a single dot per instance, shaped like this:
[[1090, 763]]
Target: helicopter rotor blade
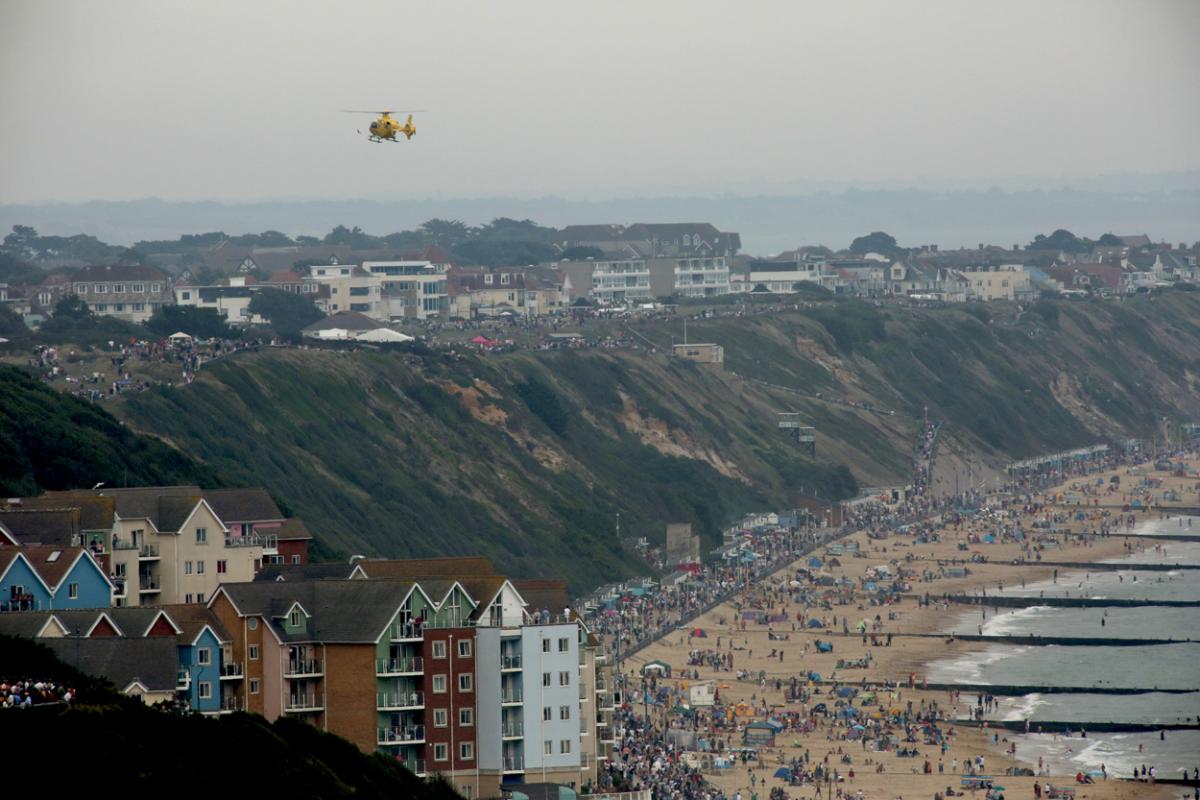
[[390, 111]]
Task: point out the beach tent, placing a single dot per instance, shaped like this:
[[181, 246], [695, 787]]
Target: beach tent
[[657, 666], [759, 733], [845, 691], [775, 724], [783, 772], [179, 336], [814, 562], [815, 623], [989, 538], [699, 632], [482, 340], [824, 647]]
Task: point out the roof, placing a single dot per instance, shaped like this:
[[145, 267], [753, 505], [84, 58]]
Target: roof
[[50, 568], [25, 624], [153, 662], [305, 572], [547, 594], [455, 567], [290, 530], [95, 512], [285, 276], [130, 272], [41, 526], [191, 619], [340, 611], [167, 507], [243, 505]]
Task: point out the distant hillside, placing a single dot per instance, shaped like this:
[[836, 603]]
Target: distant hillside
[[528, 458], [153, 753]]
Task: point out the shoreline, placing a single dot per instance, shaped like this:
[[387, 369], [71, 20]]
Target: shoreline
[[905, 659]]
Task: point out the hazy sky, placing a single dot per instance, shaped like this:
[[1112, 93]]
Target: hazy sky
[[240, 100]]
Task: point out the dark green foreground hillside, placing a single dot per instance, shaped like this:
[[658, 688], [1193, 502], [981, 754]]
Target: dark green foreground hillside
[[108, 740]]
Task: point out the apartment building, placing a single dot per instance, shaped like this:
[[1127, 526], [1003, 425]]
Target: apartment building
[[132, 293], [1006, 282], [347, 287], [411, 289], [695, 277]]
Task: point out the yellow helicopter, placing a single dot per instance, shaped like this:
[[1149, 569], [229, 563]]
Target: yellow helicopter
[[386, 128]]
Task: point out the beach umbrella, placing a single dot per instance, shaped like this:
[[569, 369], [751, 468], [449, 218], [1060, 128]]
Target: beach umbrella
[[857, 728], [783, 772]]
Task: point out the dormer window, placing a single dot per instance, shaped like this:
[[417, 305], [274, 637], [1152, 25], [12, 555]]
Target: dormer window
[[487, 279], [504, 278], [294, 619]]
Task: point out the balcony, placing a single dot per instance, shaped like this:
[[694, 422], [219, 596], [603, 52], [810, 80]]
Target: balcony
[[407, 632], [413, 734], [124, 544], [148, 553], [399, 666], [231, 671], [302, 704], [601, 685], [119, 586], [148, 585], [303, 668], [269, 543], [510, 663], [233, 703], [512, 730], [183, 680], [511, 697], [415, 765], [514, 763], [396, 701]]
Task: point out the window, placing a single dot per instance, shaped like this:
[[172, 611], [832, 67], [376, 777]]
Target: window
[[466, 751], [203, 656], [205, 690], [548, 747], [466, 717], [487, 280], [119, 570], [294, 619], [187, 598], [187, 568], [439, 717], [200, 597], [221, 565], [465, 681], [253, 625], [201, 535], [199, 567], [186, 295], [545, 645], [564, 746], [101, 307], [440, 751], [564, 679], [101, 288], [254, 686], [296, 558], [504, 279], [254, 652], [464, 648], [138, 287], [119, 307], [439, 684], [547, 713], [564, 712], [139, 306], [156, 287], [118, 288], [564, 644], [73, 591], [439, 649], [545, 679]]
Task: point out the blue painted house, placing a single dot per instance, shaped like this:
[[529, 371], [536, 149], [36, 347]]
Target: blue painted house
[[46, 578]]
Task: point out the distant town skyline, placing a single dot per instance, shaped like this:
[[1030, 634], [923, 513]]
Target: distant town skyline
[[239, 103]]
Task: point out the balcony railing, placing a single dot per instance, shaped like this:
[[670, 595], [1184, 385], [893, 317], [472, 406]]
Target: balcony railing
[[514, 763], [183, 680], [416, 733], [265, 541], [416, 765], [124, 544], [512, 730], [406, 631], [148, 584], [302, 702], [392, 700], [310, 666], [231, 670], [148, 551], [510, 662], [119, 585], [399, 666], [233, 703], [512, 696]]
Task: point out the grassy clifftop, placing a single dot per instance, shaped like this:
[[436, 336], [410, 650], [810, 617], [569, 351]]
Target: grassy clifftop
[[529, 457]]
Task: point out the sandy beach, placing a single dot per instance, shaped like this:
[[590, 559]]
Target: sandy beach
[[904, 661]]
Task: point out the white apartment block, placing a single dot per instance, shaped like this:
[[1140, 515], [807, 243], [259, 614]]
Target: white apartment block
[[701, 277], [411, 289], [620, 282]]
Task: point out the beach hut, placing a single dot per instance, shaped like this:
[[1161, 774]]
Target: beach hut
[[759, 733]]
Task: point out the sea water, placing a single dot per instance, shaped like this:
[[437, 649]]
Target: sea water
[[1171, 666]]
